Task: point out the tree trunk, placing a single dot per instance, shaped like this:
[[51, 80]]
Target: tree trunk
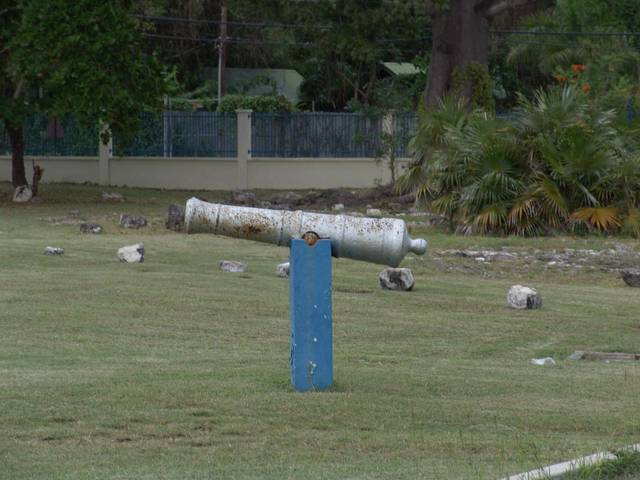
[[460, 36], [16, 140]]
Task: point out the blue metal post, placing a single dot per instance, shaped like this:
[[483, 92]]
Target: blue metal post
[[311, 317]]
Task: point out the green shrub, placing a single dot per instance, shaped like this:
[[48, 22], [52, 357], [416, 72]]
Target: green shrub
[[561, 166], [261, 103]]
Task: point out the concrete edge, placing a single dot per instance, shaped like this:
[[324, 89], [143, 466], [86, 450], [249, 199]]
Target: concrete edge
[[559, 469]]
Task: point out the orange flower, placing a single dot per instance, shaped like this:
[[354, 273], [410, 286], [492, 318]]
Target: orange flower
[[561, 78], [586, 88], [578, 67]]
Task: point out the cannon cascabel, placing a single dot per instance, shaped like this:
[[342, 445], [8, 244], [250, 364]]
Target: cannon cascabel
[[377, 240]]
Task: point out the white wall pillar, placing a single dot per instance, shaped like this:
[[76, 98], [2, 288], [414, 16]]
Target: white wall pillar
[[244, 148], [105, 153], [388, 131]]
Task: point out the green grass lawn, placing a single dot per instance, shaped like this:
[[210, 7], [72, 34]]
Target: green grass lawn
[[172, 369], [625, 467]]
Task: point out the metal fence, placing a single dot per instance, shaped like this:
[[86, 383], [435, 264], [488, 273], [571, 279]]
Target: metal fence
[[211, 134], [318, 134], [182, 134], [52, 137], [404, 128]]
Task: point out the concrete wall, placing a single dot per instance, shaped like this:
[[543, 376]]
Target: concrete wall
[[56, 169], [284, 173], [211, 173], [193, 173]]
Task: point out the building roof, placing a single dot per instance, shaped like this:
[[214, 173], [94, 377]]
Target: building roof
[[401, 68], [286, 82]]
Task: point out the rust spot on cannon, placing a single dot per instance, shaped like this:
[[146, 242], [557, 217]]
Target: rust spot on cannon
[[248, 230]]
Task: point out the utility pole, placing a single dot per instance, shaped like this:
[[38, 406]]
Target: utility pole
[[222, 60]]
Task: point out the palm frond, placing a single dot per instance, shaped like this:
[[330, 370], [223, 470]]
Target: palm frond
[[602, 218], [631, 222]]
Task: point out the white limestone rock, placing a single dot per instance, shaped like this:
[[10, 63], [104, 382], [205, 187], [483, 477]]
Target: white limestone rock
[[132, 253], [338, 207], [112, 197], [22, 194], [282, 270], [232, 267], [396, 279], [53, 251], [523, 298], [542, 361]]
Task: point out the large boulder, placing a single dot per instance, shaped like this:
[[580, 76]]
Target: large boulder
[[132, 253], [523, 298], [22, 194], [132, 221], [396, 279], [175, 218], [631, 277], [232, 267], [90, 228]]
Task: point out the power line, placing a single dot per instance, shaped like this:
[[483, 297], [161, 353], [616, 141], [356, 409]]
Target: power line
[[246, 41], [567, 34], [329, 27], [231, 22], [178, 37]]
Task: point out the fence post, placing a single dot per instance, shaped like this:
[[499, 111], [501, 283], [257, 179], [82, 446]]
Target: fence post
[[105, 152], [243, 117]]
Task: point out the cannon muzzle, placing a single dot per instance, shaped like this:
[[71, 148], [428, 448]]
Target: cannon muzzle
[[376, 240]]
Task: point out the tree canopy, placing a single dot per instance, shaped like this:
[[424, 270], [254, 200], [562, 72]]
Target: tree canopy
[[82, 57]]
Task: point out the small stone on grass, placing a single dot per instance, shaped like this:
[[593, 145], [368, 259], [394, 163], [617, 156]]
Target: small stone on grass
[[631, 277], [90, 228], [396, 279], [175, 218], [542, 361], [523, 298], [232, 267], [53, 251], [132, 221], [243, 198], [282, 270], [112, 197], [22, 194], [132, 253]]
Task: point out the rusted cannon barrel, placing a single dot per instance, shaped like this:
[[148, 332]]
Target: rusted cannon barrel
[[376, 240]]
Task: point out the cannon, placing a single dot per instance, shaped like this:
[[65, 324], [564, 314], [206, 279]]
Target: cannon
[[313, 238], [377, 240]]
